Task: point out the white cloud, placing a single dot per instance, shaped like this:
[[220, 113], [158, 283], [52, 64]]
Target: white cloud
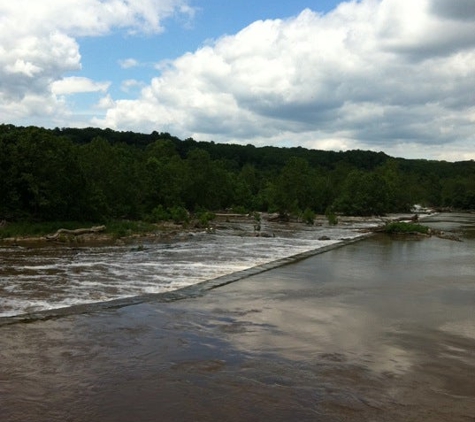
[[372, 74], [128, 63], [90, 17], [29, 64], [76, 85], [26, 68], [130, 85], [392, 75], [105, 102], [39, 47]]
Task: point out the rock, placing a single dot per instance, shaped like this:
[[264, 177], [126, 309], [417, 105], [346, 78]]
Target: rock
[[324, 238], [448, 236]]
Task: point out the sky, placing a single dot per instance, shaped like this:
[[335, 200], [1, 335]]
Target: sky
[[396, 76]]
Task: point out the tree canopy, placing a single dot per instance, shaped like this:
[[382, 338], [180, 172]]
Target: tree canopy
[[84, 174]]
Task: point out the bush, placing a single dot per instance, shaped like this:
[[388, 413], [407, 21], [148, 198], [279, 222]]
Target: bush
[[29, 228], [159, 213], [405, 228], [204, 217], [179, 215], [308, 217], [123, 228], [331, 217], [240, 210]]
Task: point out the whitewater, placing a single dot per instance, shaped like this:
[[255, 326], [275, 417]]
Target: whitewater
[[51, 276]]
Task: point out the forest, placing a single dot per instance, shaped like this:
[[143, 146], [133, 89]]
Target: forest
[[99, 174]]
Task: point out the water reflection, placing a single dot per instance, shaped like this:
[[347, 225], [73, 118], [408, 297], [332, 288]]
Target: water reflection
[[383, 306], [380, 330]]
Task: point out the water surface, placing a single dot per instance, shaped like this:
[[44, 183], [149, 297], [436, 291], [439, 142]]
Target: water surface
[[378, 330], [55, 276]]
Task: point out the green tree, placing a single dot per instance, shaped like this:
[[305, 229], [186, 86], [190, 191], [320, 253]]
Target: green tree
[[294, 189], [398, 195], [165, 176], [209, 185], [9, 172], [363, 194], [48, 183], [111, 174], [459, 193]]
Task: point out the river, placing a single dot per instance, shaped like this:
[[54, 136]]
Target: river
[[41, 277], [382, 329]]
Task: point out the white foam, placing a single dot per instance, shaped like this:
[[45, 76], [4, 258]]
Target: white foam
[[49, 278]]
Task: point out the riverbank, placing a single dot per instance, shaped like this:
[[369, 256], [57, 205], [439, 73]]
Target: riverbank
[[44, 280], [377, 330], [121, 232], [37, 279]]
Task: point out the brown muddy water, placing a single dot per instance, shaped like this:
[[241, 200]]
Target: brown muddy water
[[379, 330]]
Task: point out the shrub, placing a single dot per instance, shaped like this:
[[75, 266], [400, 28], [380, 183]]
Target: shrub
[[308, 217], [179, 215], [331, 217], [204, 217], [407, 228], [159, 213], [123, 228], [240, 210]]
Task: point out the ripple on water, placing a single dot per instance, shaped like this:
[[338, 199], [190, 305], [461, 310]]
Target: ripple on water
[[35, 279]]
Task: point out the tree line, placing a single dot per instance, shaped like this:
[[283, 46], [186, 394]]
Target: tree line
[[99, 174]]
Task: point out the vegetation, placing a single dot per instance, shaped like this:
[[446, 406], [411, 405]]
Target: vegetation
[[115, 228], [28, 228], [308, 216], [100, 175], [331, 217], [122, 228], [400, 227]]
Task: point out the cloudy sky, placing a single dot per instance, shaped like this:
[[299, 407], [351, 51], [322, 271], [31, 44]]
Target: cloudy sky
[[386, 75]]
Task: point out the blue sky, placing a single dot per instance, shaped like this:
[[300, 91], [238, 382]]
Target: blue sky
[[212, 20], [384, 75]]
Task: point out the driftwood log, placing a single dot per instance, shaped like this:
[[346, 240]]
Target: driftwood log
[[77, 232]]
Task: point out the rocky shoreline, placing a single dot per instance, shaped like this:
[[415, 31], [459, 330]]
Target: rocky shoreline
[[224, 223], [241, 224]]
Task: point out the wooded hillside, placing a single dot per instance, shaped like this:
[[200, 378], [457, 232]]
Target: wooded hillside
[[94, 174]]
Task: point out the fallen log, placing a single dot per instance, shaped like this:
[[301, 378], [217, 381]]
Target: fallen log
[[76, 232]]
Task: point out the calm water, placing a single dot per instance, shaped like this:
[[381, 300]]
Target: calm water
[[378, 330]]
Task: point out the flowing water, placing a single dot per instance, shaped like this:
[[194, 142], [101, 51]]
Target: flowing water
[[379, 330], [35, 279]]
